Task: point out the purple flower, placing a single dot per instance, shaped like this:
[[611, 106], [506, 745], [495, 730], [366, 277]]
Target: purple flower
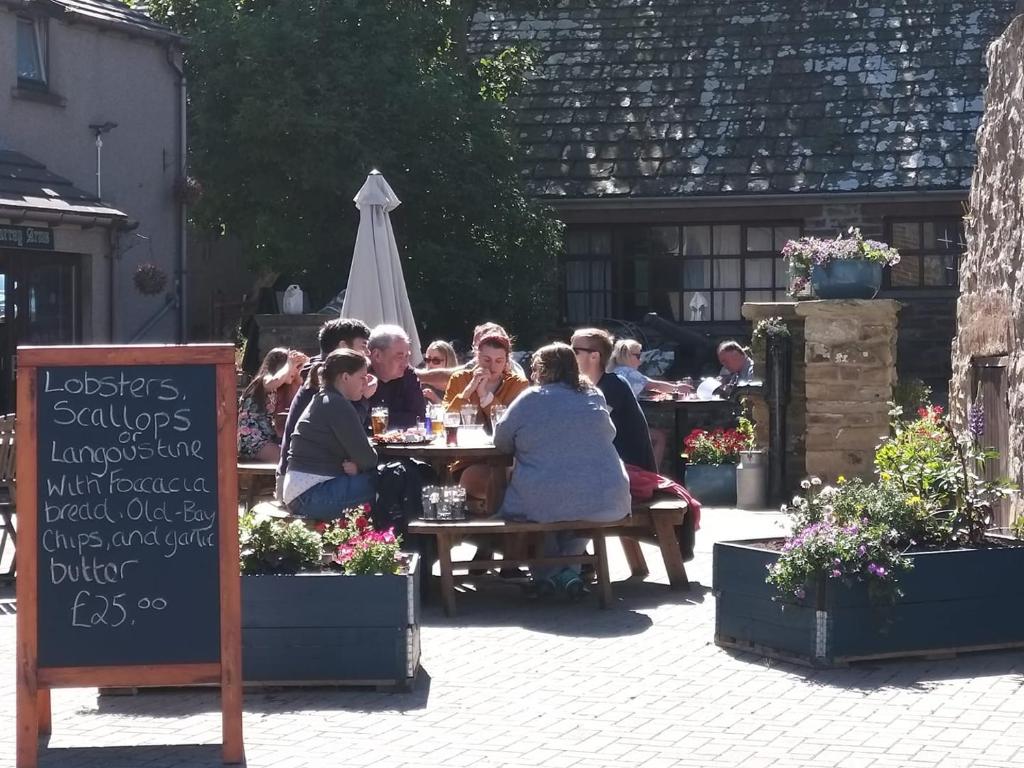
[[862, 550], [837, 562], [800, 593], [836, 573], [976, 420]]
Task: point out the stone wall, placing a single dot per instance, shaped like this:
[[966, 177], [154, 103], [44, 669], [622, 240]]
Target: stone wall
[[990, 311], [844, 369]]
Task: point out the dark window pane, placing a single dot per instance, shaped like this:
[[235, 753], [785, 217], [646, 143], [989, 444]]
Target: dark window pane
[[727, 305], [600, 242], [932, 232], [759, 273], [757, 296], [665, 240], [759, 239], [727, 273], [697, 274], [906, 235], [940, 271], [906, 274], [577, 243], [696, 241], [697, 306], [784, 234], [726, 240], [781, 273], [30, 55]]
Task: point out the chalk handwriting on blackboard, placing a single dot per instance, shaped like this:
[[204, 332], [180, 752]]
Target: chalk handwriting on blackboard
[[128, 505]]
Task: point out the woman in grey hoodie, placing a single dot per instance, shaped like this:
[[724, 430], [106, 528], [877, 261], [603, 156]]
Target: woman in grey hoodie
[[331, 464]]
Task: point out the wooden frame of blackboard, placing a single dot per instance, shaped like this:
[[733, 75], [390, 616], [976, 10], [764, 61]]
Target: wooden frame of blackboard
[[34, 683]]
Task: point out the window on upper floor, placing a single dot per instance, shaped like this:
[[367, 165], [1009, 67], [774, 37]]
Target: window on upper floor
[[930, 251], [32, 59]]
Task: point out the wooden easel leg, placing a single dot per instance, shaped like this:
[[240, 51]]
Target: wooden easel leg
[[444, 559], [232, 744], [28, 723], [43, 711], [635, 557], [670, 554], [604, 582]]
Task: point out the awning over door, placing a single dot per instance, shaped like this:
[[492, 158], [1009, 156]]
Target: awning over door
[[28, 189]]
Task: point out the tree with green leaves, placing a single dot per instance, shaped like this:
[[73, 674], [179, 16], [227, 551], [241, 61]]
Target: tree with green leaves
[[292, 103]]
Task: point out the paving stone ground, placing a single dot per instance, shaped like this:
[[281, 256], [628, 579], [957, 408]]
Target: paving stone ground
[[510, 684]]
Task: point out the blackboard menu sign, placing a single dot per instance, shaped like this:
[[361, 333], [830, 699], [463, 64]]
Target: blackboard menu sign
[[127, 526], [127, 523]]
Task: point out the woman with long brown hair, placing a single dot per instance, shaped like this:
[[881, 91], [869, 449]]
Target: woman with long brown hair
[[258, 439]]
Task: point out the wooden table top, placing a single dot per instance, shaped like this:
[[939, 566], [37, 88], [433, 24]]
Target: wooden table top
[[439, 451]]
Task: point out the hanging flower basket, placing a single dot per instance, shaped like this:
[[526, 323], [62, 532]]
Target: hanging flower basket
[[187, 190], [149, 279], [847, 267]]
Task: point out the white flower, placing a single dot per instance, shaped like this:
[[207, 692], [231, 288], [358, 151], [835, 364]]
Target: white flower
[[805, 484], [815, 481]]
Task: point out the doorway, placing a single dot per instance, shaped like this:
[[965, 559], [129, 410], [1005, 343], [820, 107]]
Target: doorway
[[39, 304]]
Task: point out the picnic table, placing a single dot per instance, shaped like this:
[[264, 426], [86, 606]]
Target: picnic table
[[441, 456]]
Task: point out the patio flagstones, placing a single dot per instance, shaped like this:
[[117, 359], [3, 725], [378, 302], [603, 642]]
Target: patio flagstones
[[510, 683]]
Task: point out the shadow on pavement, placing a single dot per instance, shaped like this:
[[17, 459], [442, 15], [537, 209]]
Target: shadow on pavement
[[496, 604], [175, 703], [193, 755], [920, 674]]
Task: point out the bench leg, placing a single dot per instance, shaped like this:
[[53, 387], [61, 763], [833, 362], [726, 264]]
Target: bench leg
[[635, 557], [444, 561], [604, 582], [670, 554]]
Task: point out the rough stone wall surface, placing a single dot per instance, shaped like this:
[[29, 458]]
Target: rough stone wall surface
[[850, 361], [990, 311]]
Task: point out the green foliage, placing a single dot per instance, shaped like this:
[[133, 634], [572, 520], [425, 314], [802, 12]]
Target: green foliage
[[849, 532], [745, 428], [268, 545], [910, 395], [292, 104], [768, 327], [1017, 527], [713, 446], [930, 495]]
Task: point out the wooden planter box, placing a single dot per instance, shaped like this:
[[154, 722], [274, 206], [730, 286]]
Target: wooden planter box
[[331, 629], [959, 600]]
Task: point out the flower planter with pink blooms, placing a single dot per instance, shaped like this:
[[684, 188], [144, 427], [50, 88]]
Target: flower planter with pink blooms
[[337, 604]]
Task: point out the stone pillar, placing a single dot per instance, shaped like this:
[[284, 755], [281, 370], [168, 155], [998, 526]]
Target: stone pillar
[[850, 368]]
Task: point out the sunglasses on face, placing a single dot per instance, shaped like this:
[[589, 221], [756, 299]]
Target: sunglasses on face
[[432, 360]]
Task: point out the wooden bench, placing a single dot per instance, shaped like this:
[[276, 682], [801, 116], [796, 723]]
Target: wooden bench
[[655, 521], [448, 534], [251, 476]]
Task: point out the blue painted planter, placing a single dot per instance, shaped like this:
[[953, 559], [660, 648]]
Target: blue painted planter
[[847, 279], [957, 600], [714, 485], [331, 629]]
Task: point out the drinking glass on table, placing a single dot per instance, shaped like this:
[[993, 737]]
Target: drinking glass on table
[[451, 428], [437, 419], [468, 413], [497, 414], [379, 420]]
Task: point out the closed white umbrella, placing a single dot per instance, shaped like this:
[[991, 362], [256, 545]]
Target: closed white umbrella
[[376, 287]]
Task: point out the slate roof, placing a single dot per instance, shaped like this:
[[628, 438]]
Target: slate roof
[[108, 13], [659, 98], [26, 184]]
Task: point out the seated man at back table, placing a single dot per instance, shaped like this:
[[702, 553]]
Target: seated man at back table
[[737, 366], [398, 389]]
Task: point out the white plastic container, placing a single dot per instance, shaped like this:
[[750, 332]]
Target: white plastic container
[[291, 303]]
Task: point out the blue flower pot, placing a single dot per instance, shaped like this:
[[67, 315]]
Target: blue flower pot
[[714, 485], [847, 279]]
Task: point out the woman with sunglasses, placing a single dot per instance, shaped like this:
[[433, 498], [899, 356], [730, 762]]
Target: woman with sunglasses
[[625, 362], [439, 355]]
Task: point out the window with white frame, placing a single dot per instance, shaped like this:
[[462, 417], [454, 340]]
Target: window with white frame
[[32, 59]]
